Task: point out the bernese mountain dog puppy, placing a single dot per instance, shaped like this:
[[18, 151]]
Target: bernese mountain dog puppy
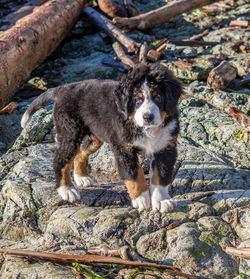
[[137, 114]]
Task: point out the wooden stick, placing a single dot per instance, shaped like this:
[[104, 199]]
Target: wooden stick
[[199, 36], [90, 259], [34, 37], [122, 55], [111, 30], [192, 43], [160, 15], [239, 252], [239, 23], [143, 52]]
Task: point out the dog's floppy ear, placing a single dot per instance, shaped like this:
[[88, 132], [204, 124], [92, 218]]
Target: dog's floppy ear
[[172, 88], [121, 95], [127, 85], [173, 91]]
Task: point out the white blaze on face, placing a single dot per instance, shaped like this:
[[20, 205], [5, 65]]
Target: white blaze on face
[[148, 107]]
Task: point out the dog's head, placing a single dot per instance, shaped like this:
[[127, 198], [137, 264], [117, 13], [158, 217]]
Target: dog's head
[[149, 93]]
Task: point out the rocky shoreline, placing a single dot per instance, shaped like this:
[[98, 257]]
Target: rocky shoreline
[[211, 186]]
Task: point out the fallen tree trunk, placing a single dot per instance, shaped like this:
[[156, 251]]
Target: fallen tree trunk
[[34, 37], [159, 16], [111, 30]]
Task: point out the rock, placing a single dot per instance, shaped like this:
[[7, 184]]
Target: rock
[[219, 99], [215, 130], [40, 125], [16, 267], [244, 263], [242, 227]]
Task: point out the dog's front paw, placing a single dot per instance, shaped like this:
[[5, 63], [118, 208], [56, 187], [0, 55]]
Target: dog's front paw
[[142, 202], [69, 193], [160, 199], [83, 180]]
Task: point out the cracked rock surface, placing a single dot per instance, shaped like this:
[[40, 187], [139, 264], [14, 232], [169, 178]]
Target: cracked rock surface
[[211, 185]]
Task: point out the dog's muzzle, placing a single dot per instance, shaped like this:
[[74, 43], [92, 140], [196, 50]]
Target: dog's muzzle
[[148, 118]]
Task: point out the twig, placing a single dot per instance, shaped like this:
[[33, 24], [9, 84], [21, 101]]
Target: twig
[[111, 30], [199, 36], [103, 250], [238, 23], [239, 252], [202, 196], [9, 108], [192, 43], [122, 55], [90, 259]]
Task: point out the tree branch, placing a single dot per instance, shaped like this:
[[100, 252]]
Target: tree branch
[[90, 259], [160, 15], [111, 30]]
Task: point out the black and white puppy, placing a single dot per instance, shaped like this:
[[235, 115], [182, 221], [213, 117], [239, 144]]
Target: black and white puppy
[[137, 114]]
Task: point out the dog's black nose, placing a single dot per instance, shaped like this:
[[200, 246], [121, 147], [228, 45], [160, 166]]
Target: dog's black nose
[[148, 117]]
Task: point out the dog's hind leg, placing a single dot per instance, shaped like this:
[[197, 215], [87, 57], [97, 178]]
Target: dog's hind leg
[[81, 174], [69, 136], [133, 176]]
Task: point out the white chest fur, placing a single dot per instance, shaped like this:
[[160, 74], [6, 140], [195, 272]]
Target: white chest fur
[[156, 138]]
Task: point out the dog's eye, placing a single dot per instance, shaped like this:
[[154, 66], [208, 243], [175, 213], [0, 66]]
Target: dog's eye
[[156, 97], [154, 94], [140, 95]]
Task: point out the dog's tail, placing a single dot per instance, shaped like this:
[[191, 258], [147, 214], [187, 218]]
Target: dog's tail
[[42, 100]]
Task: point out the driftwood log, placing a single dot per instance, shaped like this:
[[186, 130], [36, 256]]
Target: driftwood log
[[111, 30], [160, 15], [34, 37], [120, 8], [221, 76], [91, 259]]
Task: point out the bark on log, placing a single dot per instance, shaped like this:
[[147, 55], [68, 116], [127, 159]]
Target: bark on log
[[143, 52], [34, 37], [161, 15], [122, 55], [221, 76], [111, 30], [120, 8]]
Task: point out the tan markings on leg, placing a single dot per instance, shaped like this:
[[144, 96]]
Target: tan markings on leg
[[138, 186], [163, 115], [155, 178], [66, 174], [81, 159]]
